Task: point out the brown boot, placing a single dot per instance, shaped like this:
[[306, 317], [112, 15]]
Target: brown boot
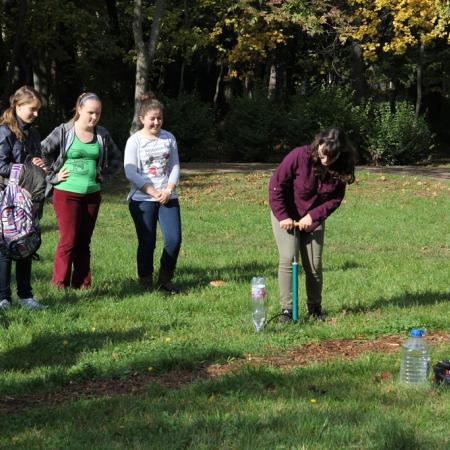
[[165, 284], [146, 282]]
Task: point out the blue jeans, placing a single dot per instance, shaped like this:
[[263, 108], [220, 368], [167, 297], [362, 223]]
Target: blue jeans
[[23, 277], [145, 215]]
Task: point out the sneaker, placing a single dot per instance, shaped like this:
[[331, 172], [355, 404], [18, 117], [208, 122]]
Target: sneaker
[[30, 303], [286, 316], [4, 305]]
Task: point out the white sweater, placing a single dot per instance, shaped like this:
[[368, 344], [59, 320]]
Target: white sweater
[[151, 161]]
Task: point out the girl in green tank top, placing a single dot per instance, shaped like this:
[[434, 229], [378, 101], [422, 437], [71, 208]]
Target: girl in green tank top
[[81, 164]]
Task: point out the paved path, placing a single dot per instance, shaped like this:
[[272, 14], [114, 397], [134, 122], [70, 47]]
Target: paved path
[[438, 173]]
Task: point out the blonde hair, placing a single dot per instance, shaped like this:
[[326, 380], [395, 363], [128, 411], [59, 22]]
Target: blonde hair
[[23, 95], [81, 100]]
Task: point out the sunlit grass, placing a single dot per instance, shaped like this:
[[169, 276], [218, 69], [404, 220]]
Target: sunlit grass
[[386, 270]]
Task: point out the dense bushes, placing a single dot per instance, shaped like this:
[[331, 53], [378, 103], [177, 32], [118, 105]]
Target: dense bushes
[[250, 130], [192, 123], [323, 108], [258, 129], [397, 137]]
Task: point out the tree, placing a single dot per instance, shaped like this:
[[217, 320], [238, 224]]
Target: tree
[[145, 51], [400, 27], [20, 11]]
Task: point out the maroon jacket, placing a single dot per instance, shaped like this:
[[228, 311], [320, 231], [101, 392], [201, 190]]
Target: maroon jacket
[[294, 190]]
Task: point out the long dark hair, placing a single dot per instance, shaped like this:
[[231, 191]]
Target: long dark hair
[[336, 146]]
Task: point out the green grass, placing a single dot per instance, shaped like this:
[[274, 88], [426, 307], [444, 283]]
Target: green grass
[[386, 270]]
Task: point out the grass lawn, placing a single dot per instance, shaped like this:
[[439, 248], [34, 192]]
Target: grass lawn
[[117, 368]]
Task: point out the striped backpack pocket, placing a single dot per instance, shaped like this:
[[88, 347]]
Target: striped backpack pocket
[[20, 235]]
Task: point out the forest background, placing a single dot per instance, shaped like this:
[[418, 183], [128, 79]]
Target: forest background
[[243, 80]]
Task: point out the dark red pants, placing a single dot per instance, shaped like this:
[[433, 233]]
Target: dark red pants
[[76, 215]]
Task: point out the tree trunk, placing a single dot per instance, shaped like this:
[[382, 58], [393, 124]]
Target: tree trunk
[[40, 78], [181, 85], [142, 62], [154, 33], [183, 62], [419, 80], [111, 7], [144, 57], [218, 84], [271, 90], [17, 47], [357, 71]]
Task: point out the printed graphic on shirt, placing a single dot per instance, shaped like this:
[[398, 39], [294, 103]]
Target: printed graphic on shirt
[[158, 166], [155, 157], [78, 167]]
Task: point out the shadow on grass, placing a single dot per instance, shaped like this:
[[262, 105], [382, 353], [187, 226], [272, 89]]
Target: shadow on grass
[[59, 353], [405, 300], [347, 265], [121, 288], [199, 277], [57, 349], [253, 408]]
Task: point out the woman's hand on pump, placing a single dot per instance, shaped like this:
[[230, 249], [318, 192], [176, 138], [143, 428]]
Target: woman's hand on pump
[[305, 223], [287, 224]]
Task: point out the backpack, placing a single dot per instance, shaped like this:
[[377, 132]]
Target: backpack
[[20, 235]]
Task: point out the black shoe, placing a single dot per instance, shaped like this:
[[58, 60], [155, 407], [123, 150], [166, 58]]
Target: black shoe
[[286, 316], [168, 288], [317, 314]]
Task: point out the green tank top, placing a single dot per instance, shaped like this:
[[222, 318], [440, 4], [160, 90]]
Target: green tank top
[[81, 162]]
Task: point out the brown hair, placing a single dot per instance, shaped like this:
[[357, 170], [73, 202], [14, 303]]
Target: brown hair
[[148, 102], [23, 95], [81, 100], [336, 145]]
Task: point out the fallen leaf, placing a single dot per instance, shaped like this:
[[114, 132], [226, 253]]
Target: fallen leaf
[[217, 283]]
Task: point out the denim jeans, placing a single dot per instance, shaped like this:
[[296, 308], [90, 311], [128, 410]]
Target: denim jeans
[[23, 277], [145, 215]]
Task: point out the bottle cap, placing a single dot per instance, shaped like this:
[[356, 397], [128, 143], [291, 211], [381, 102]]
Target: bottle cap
[[416, 332]]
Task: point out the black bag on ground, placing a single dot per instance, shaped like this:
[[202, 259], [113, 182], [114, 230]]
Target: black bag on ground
[[442, 372]]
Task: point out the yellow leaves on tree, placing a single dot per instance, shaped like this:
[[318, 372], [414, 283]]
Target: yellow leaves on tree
[[396, 25]]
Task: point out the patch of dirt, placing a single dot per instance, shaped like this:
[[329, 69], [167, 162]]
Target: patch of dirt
[[296, 357], [324, 351]]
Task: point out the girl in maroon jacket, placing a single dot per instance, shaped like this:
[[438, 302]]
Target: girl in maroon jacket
[[307, 186]]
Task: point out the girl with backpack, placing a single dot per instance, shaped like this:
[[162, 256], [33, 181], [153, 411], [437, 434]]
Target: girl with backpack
[[20, 143], [79, 156], [152, 167]]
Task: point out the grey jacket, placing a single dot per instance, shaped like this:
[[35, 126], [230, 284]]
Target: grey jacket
[[58, 142]]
